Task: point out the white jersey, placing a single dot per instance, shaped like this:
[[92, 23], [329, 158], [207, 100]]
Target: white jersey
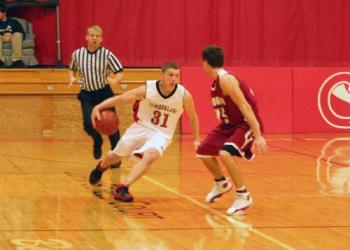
[[158, 112]]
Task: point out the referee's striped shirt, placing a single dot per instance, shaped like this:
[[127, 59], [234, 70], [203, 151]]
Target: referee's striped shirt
[[94, 67]]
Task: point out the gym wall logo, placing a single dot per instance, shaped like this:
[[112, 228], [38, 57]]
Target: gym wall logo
[[334, 100]]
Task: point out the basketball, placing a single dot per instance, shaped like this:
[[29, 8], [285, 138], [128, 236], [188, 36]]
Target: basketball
[[108, 123]]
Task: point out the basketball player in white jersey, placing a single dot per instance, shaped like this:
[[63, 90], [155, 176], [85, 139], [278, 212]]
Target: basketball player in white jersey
[[158, 106]]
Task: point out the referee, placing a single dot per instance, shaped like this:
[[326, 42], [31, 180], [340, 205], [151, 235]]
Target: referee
[[94, 64]]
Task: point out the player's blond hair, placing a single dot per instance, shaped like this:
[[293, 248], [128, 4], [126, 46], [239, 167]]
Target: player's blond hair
[[95, 28]]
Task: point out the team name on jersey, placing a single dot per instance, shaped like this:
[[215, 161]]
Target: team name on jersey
[[217, 101], [163, 107]]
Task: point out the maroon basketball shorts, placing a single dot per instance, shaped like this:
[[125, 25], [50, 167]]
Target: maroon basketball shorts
[[236, 139]]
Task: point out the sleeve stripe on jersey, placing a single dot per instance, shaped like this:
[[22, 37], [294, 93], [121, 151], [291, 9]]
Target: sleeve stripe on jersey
[[114, 63], [73, 63]]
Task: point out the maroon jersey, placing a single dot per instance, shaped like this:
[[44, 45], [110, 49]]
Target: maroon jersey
[[226, 110]]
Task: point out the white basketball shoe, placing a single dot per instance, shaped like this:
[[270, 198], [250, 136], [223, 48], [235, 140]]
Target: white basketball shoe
[[242, 202], [219, 188]]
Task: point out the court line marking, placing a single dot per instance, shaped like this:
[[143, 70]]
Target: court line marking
[[152, 229], [307, 154], [229, 219], [316, 139]]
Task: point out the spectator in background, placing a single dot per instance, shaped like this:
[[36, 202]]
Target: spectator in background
[[11, 31]]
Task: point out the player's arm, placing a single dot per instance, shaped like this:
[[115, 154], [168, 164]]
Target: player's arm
[[193, 116], [230, 87], [128, 97]]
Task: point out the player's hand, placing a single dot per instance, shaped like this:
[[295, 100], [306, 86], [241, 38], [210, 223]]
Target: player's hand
[[71, 81], [260, 144], [95, 114]]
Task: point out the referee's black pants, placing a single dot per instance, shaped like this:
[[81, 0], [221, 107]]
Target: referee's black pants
[[88, 100]]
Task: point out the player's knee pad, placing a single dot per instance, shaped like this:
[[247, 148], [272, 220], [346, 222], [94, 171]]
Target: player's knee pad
[[231, 149]]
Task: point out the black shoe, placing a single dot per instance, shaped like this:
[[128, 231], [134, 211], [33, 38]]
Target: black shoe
[[97, 151], [116, 165], [121, 192], [2, 64], [18, 64], [96, 175]]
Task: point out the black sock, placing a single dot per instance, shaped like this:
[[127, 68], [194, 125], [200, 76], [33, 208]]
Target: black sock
[[242, 190], [220, 179]]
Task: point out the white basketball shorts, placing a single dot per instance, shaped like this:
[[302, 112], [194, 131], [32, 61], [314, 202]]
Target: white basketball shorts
[[137, 139]]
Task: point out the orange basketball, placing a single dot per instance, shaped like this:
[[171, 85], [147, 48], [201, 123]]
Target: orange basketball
[[109, 122]]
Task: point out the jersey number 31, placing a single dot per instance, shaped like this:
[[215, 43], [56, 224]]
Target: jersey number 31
[[160, 118]]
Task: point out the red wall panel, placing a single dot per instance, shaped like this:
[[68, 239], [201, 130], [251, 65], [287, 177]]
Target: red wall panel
[[321, 100], [272, 87], [298, 100], [252, 33]]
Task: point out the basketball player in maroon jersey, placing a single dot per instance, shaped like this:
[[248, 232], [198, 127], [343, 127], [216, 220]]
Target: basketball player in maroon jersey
[[239, 130]]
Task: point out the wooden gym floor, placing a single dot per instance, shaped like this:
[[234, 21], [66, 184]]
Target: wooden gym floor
[[301, 192]]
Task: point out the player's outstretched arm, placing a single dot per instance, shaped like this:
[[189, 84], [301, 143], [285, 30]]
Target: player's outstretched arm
[[230, 87], [192, 114], [127, 97]]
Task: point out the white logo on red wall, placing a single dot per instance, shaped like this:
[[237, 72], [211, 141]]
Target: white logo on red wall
[[334, 100]]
